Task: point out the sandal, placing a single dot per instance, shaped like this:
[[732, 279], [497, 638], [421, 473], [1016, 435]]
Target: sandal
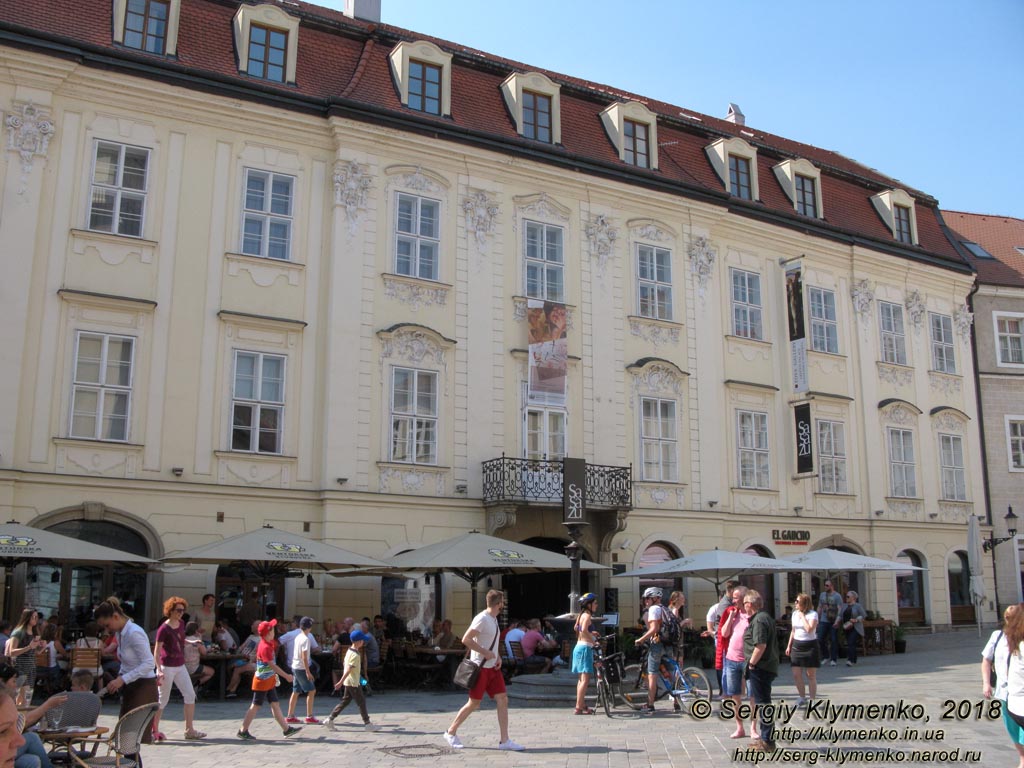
[[585, 711], [194, 735]]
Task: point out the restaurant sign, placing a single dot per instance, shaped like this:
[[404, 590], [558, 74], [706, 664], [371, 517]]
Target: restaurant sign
[[787, 537]]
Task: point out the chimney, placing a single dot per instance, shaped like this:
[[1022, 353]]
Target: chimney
[[367, 10], [736, 115]]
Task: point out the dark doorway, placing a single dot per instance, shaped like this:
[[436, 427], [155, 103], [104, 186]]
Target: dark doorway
[[536, 595]]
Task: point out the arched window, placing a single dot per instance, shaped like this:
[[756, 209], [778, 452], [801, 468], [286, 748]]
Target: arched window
[[910, 589], [656, 554], [959, 575]]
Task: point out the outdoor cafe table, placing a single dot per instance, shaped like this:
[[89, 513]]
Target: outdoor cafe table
[[223, 664], [453, 655], [66, 739]]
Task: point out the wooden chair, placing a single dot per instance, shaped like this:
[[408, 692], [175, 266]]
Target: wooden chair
[[124, 744], [528, 667], [375, 675], [86, 658]]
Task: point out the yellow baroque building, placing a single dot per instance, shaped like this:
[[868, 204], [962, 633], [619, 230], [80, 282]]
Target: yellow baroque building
[[271, 264]]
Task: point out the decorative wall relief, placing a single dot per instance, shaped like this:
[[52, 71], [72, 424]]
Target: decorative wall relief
[[657, 379], [702, 263], [29, 131], [654, 332], [900, 415], [351, 187], [500, 517], [963, 319], [947, 421], [414, 293], [955, 511], [418, 482], [905, 510], [602, 236], [481, 216], [944, 383], [414, 346], [542, 206], [862, 295], [897, 375], [916, 309]]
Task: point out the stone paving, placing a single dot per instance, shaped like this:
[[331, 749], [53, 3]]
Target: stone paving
[[936, 668]]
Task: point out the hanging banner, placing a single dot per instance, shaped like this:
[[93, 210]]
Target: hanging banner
[[574, 491], [549, 352], [804, 439], [797, 334]]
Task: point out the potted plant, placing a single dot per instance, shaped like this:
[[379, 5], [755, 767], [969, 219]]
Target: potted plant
[[899, 637]]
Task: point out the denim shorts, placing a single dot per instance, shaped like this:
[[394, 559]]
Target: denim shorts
[[302, 683], [732, 677], [654, 654]]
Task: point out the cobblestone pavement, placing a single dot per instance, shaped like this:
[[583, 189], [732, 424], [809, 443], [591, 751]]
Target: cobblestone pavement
[[936, 668]]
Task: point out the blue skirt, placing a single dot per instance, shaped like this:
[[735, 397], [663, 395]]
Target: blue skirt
[[583, 659]]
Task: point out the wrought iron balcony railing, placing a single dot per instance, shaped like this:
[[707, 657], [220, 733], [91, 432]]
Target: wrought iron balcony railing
[[528, 480]]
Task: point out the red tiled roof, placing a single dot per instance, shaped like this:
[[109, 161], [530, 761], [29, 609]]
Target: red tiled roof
[[340, 57], [999, 235]]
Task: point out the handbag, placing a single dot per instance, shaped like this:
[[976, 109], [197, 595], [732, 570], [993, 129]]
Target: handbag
[[468, 671]]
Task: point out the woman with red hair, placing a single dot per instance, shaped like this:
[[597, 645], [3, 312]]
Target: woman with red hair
[[169, 653]]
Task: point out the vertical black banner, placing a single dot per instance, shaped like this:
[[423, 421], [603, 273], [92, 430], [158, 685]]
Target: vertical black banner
[[804, 439], [574, 491]]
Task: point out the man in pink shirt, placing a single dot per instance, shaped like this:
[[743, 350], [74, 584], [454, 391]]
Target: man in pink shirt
[[534, 640]]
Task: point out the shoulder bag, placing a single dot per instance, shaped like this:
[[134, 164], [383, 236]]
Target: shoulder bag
[[469, 671]]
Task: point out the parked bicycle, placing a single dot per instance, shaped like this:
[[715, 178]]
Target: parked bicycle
[[683, 685]]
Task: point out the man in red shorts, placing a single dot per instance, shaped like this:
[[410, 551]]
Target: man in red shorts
[[482, 640]]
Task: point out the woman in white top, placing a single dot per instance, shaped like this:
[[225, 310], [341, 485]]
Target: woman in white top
[[803, 650], [1009, 674]]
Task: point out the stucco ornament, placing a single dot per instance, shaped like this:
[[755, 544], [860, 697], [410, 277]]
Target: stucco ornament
[[602, 236], [481, 215], [963, 319], [28, 134], [702, 263], [900, 414], [656, 334], [413, 294], [414, 346], [862, 296], [419, 182], [351, 187], [916, 309], [656, 379], [651, 232]]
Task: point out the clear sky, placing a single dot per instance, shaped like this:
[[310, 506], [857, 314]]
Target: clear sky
[[930, 92]]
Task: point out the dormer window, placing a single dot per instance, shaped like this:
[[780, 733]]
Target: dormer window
[[533, 101], [735, 162], [801, 182], [266, 43], [896, 208], [633, 130], [147, 25], [423, 74]]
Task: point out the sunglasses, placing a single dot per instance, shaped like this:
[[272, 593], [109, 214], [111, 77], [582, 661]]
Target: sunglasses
[[179, 609]]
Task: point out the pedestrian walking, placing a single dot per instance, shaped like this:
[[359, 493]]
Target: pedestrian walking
[[482, 640], [351, 681], [803, 650], [169, 652], [761, 647], [264, 683], [304, 679], [852, 620], [829, 605], [997, 658]]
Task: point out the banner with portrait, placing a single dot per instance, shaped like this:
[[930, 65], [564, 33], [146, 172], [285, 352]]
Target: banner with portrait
[[549, 352], [797, 331]]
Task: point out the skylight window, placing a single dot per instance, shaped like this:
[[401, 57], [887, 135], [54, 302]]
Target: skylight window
[[1019, 249], [976, 250]]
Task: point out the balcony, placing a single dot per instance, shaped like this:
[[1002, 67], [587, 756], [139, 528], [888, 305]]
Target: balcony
[[539, 483]]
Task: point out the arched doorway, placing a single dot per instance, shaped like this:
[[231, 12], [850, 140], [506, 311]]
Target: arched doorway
[[240, 599], [764, 583], [959, 575], [71, 590], [535, 595], [655, 554], [910, 590]]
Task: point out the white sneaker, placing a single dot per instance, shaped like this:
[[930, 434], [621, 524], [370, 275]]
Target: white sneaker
[[800, 702], [849, 663], [831, 663], [511, 746], [329, 723], [454, 741], [371, 727]]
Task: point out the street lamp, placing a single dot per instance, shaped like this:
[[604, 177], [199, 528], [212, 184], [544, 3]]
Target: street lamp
[[1011, 529]]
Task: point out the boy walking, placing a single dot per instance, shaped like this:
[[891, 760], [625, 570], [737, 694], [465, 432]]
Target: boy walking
[[305, 680], [264, 682], [350, 679]]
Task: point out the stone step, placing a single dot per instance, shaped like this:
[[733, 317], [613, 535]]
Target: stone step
[[556, 688]]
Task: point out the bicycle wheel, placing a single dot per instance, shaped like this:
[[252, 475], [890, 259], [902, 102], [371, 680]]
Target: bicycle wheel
[[604, 697], [697, 684], [631, 688]]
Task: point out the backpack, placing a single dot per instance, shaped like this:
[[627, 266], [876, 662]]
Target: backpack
[[669, 633]]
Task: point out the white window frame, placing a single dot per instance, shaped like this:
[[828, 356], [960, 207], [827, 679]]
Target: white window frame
[[660, 436], [943, 346], [757, 451], [414, 419], [900, 467], [258, 403], [424, 52], [897, 350], [742, 163], [752, 325], [996, 317], [118, 188], [266, 15], [788, 174], [656, 286], [718, 153], [120, 11], [543, 264], [417, 239], [548, 430], [1014, 443], [824, 329], [519, 82], [953, 483], [266, 217], [833, 476], [101, 388], [885, 205], [614, 117]]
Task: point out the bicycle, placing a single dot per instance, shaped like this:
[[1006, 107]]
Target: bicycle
[[609, 674], [682, 685]]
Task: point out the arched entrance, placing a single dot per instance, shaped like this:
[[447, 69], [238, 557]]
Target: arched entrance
[[841, 580], [959, 575], [764, 583], [535, 595], [71, 590], [655, 554], [910, 590]]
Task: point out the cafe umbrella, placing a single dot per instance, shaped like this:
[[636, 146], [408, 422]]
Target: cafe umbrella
[[716, 566], [836, 561], [21, 543]]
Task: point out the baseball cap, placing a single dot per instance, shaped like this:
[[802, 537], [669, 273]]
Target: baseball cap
[[266, 626], [306, 623], [357, 635]]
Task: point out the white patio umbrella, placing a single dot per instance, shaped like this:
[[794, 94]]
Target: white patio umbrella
[[833, 560], [716, 566], [974, 559]]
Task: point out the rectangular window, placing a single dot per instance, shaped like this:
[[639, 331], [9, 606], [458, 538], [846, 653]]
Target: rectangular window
[[637, 151], [102, 390], [942, 343], [659, 442], [418, 240], [654, 278], [545, 434], [824, 327], [118, 194], [268, 51], [257, 407], [901, 463], [746, 304], [544, 262], [739, 177], [951, 453], [267, 216], [425, 87], [901, 224], [894, 342], [1015, 438], [806, 199], [754, 459], [832, 457], [537, 116], [414, 416], [1010, 337], [145, 25]]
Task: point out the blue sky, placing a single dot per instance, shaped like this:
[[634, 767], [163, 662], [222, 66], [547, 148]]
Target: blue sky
[[930, 92]]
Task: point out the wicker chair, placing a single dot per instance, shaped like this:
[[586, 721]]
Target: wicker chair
[[124, 743], [81, 710]]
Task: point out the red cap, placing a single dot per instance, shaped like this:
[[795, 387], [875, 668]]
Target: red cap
[[266, 626]]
